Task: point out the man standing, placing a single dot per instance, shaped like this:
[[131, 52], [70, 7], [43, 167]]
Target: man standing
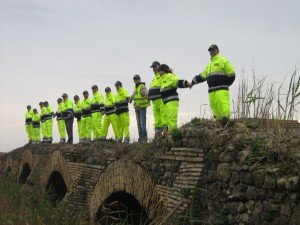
[[36, 127], [97, 108], [28, 123], [68, 115], [219, 75], [49, 121], [141, 103], [43, 122], [123, 119], [86, 119], [60, 121], [110, 114], [159, 108], [77, 114]]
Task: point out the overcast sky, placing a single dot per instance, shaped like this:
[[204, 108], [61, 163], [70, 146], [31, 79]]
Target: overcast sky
[[51, 47]]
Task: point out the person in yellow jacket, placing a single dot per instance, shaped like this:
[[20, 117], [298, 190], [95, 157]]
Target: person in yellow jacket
[[60, 121], [122, 112], [77, 114], [140, 105], [28, 123], [109, 114], [49, 121], [68, 114], [219, 75], [97, 108], [86, 117], [36, 127], [44, 124], [159, 108], [168, 91]]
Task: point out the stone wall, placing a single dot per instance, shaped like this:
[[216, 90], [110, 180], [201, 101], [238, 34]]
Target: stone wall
[[250, 176]]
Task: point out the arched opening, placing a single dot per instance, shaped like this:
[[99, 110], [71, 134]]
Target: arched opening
[[25, 173], [56, 187], [121, 208]]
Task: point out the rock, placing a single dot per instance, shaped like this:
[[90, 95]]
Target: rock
[[226, 157], [269, 183], [286, 210], [224, 172], [293, 184], [258, 178], [244, 155], [268, 207], [281, 183]]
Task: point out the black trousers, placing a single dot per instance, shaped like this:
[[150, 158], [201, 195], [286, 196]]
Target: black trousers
[[69, 127]]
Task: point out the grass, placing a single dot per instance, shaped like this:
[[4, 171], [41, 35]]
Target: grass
[[19, 209]]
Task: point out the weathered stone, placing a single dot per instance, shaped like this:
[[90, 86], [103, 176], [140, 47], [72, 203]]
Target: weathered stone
[[286, 210], [243, 155], [236, 167], [235, 177], [260, 194], [224, 172], [278, 198], [241, 208], [269, 183], [251, 193], [244, 217], [293, 184], [268, 207], [226, 157], [295, 197], [281, 183], [267, 216], [246, 178], [258, 178]]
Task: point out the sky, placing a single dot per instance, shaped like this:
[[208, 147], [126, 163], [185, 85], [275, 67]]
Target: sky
[[51, 47]]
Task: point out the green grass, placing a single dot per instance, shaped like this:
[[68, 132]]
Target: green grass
[[19, 209]]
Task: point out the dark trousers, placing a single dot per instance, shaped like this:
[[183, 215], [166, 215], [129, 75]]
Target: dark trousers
[[69, 128]]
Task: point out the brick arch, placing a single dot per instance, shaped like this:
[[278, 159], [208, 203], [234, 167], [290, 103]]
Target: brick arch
[[128, 177], [56, 163], [27, 158]]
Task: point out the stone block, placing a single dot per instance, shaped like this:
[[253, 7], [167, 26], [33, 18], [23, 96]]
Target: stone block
[[258, 179], [293, 184], [286, 210], [246, 178], [224, 172], [269, 207], [281, 183], [226, 156], [235, 178], [269, 183]]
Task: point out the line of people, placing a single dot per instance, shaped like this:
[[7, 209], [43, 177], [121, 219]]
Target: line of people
[[94, 115]]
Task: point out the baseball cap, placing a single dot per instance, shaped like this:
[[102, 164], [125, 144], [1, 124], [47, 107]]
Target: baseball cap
[[64, 95], [213, 47], [118, 83], [155, 63]]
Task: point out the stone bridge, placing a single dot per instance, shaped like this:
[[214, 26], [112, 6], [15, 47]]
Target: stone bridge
[[240, 175]]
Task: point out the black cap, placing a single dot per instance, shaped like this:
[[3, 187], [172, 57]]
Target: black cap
[[164, 67], [59, 99], [155, 63], [41, 103], [213, 47], [94, 87], [35, 110], [85, 92], [136, 77], [118, 83], [29, 107], [107, 89], [46, 103], [64, 95], [76, 97]]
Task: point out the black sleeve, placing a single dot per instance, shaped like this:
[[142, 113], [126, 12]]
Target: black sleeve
[[182, 84], [198, 79]]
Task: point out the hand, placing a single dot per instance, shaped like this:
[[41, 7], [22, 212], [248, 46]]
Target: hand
[[130, 101], [190, 85]]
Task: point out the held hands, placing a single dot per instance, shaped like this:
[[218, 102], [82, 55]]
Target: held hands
[[190, 85]]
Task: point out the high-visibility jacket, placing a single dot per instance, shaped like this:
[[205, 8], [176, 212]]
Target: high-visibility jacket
[[49, 114], [68, 109], [36, 118], [219, 74], [140, 100], [109, 107], [86, 107], [59, 111], [28, 117], [97, 102], [170, 83], [44, 114], [154, 89], [122, 98], [77, 110]]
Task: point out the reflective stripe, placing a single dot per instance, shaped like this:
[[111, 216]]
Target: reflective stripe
[[110, 112], [97, 110], [216, 73], [218, 87], [154, 97], [122, 107], [139, 98], [175, 97], [154, 88], [231, 75], [167, 89]]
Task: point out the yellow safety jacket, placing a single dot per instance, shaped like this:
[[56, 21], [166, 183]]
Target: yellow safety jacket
[[60, 108], [219, 74], [28, 117], [97, 102], [109, 104], [36, 118], [43, 114], [68, 109], [122, 98], [77, 110], [49, 114], [154, 90], [86, 107], [170, 83], [140, 101]]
